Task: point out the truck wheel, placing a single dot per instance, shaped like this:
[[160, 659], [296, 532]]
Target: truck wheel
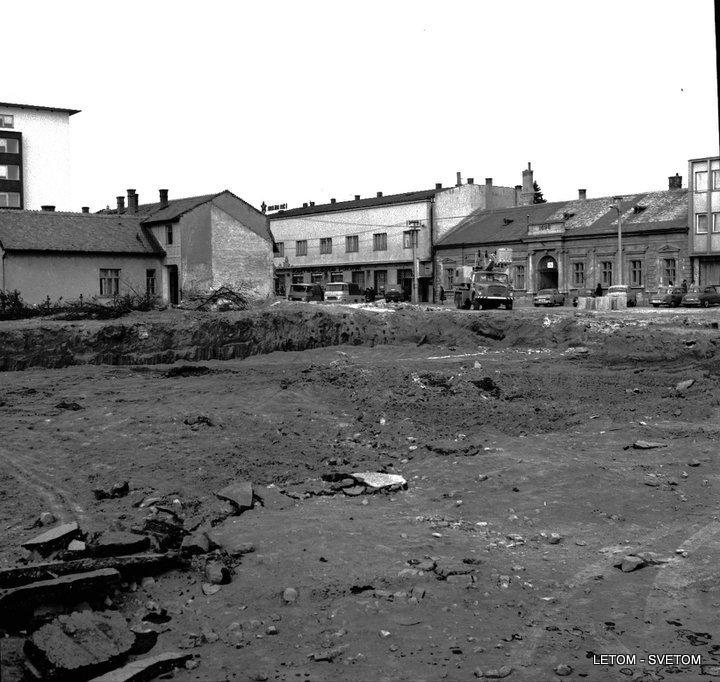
[[476, 304], [466, 304], [508, 305]]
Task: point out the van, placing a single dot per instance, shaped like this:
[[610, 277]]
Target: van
[[305, 292], [344, 292]]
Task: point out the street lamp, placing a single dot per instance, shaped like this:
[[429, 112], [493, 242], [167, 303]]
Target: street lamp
[[618, 207], [413, 229]]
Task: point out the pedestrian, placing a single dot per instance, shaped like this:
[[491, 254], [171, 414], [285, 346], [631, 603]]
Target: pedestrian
[[684, 286], [670, 283], [598, 290], [442, 295]]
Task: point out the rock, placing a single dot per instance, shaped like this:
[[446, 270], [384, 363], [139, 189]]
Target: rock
[[272, 498], [196, 543], [498, 674], [145, 639], [239, 494], [119, 489], [647, 445], [82, 644], [271, 630], [694, 463], [651, 481], [145, 668], [354, 491], [217, 572], [630, 563], [46, 519], [167, 531], [68, 405], [378, 480], [209, 589], [554, 538], [76, 546], [230, 537], [684, 385], [191, 664], [113, 543], [55, 538], [563, 670], [384, 633], [290, 595]]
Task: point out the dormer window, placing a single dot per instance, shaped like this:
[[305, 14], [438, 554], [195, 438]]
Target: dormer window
[[638, 208], [507, 221], [567, 216], [7, 121]]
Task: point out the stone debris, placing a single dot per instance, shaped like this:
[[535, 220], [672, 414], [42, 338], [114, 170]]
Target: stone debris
[[378, 481], [494, 673], [46, 519], [55, 538], [239, 494], [647, 445], [563, 670], [112, 543], [196, 543], [684, 385], [694, 463], [81, 644], [630, 563], [271, 498], [216, 572], [146, 668], [114, 491], [209, 589], [290, 595], [68, 405]]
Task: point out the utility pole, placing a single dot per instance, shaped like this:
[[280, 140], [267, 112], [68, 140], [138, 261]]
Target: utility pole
[[414, 229], [618, 207]]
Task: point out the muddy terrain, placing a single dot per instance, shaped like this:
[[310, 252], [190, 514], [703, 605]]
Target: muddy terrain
[[560, 501]]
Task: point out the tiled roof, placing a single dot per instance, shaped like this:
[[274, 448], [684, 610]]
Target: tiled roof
[[404, 198], [36, 106], [666, 210], [152, 213], [88, 232]]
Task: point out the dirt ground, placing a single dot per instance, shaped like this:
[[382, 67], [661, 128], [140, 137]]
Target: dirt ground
[[503, 442]]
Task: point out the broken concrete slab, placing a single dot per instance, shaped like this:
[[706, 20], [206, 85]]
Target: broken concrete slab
[[272, 498], [119, 489], [113, 543], [629, 562], [378, 481], [231, 537], [196, 543], [145, 668], [55, 538], [647, 445], [79, 645], [239, 494], [216, 572]]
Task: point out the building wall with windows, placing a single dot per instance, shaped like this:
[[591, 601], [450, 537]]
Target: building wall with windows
[[704, 219], [40, 168]]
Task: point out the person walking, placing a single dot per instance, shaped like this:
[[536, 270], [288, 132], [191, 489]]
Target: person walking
[[442, 295], [598, 290], [684, 286]]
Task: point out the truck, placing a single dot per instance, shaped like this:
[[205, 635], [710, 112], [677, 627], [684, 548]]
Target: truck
[[481, 288]]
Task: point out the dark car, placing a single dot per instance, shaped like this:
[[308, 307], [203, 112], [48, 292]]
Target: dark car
[[305, 292], [583, 293], [670, 296], [548, 297], [702, 296], [394, 295]]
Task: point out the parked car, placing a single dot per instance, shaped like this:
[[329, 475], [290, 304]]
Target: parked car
[[305, 292], [344, 292], [394, 295], [583, 293], [548, 297], [702, 296], [669, 296]]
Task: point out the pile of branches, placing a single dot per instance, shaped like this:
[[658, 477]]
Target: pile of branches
[[223, 298]]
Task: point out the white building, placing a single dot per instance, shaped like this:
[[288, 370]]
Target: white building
[[34, 155]]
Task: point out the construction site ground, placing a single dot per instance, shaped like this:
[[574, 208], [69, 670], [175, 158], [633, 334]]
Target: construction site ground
[[536, 453]]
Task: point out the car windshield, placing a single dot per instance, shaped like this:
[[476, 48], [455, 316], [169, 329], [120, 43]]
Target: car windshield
[[545, 292], [694, 289], [300, 288], [338, 286]]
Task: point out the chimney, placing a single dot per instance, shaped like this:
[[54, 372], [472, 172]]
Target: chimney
[[438, 185], [163, 198], [332, 201], [305, 205], [312, 203], [518, 194], [86, 209], [379, 194], [121, 205], [459, 180], [132, 205], [263, 207], [357, 197], [528, 191], [675, 181], [488, 194], [48, 208], [470, 181], [582, 194]]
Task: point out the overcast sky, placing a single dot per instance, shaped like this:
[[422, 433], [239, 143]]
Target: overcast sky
[[300, 101]]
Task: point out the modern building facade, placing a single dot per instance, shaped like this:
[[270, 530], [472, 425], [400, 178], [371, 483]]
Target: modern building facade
[[572, 245], [34, 155], [381, 241], [704, 219]]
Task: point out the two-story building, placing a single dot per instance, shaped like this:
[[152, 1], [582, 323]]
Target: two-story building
[[704, 219], [380, 241], [34, 155], [572, 245]]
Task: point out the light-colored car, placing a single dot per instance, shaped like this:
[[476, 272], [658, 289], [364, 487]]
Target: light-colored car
[[344, 292], [549, 298]]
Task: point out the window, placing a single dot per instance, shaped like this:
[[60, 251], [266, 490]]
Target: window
[[301, 247], [636, 273], [9, 200], [336, 277], [380, 241], [317, 278], [9, 146], [519, 277], [169, 234], [716, 179], [606, 268], [669, 269], [716, 222], [150, 281], [701, 223], [279, 249], [7, 121], [579, 274], [351, 244], [109, 282], [701, 181], [9, 172], [326, 245], [410, 239]]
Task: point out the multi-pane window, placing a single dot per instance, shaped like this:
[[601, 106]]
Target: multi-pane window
[[9, 200], [9, 172], [519, 277], [636, 273], [716, 222], [716, 179], [410, 239], [109, 282], [579, 274], [701, 223], [7, 121], [301, 247], [9, 146], [279, 249], [380, 241], [351, 244], [669, 269], [326, 245], [606, 268], [150, 282], [169, 234], [701, 180]]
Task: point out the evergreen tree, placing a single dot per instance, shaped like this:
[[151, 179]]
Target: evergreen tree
[[538, 196]]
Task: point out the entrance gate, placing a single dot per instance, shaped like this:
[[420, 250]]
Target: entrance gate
[[547, 273]]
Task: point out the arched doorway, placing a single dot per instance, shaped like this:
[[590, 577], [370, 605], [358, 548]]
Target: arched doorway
[[547, 273]]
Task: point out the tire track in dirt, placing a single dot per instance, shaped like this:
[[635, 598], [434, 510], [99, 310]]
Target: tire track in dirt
[[25, 470]]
